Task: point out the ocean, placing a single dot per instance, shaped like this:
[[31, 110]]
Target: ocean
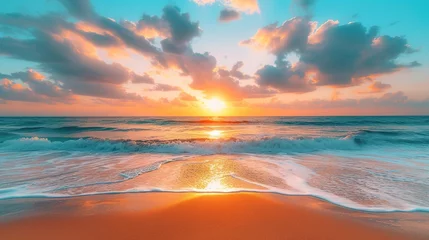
[[365, 163]]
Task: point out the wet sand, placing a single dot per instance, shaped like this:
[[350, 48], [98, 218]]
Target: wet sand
[[202, 216]]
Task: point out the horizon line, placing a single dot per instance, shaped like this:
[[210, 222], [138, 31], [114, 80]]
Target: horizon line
[[107, 116]]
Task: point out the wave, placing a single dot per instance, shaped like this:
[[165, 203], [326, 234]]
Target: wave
[[389, 136], [178, 122], [74, 129], [7, 136], [192, 146], [338, 122], [353, 140], [287, 121], [292, 121]]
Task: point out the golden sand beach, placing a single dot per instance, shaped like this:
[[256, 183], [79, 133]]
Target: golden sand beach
[[205, 216]]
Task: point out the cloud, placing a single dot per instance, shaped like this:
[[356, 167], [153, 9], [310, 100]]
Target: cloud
[[377, 87], [247, 6], [284, 78], [291, 36], [213, 81], [39, 85], [149, 26], [35, 88], [332, 54], [54, 23], [106, 90], [236, 73], [389, 103], [64, 61], [397, 97], [344, 55], [183, 96], [181, 28], [64, 49], [165, 88], [142, 79], [82, 9], [175, 27], [79, 8], [10, 90], [228, 15]]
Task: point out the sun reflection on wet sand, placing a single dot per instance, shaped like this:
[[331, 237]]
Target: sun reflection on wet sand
[[216, 185]]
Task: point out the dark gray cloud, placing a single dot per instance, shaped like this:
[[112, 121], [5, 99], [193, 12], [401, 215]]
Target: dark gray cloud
[[228, 15], [62, 59], [235, 71], [64, 62], [151, 25], [105, 90], [333, 54], [80, 72], [345, 55], [182, 30], [39, 85], [12, 91], [291, 36], [54, 23], [135, 78], [83, 9], [36, 88], [174, 27], [101, 40], [283, 78], [4, 76]]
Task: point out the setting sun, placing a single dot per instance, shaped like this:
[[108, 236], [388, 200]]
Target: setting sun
[[215, 105]]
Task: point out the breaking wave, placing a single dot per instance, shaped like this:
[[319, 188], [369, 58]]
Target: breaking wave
[[192, 146]]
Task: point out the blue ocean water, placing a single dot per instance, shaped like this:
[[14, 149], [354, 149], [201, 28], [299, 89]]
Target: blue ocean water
[[367, 163]]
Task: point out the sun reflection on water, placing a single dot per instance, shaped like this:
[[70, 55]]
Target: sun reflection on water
[[215, 133]]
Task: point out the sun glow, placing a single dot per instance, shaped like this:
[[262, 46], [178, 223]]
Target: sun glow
[[215, 133], [215, 105], [215, 185]]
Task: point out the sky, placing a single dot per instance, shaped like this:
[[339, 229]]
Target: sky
[[213, 57]]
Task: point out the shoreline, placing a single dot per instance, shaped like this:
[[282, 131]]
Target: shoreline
[[245, 215], [107, 194]]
